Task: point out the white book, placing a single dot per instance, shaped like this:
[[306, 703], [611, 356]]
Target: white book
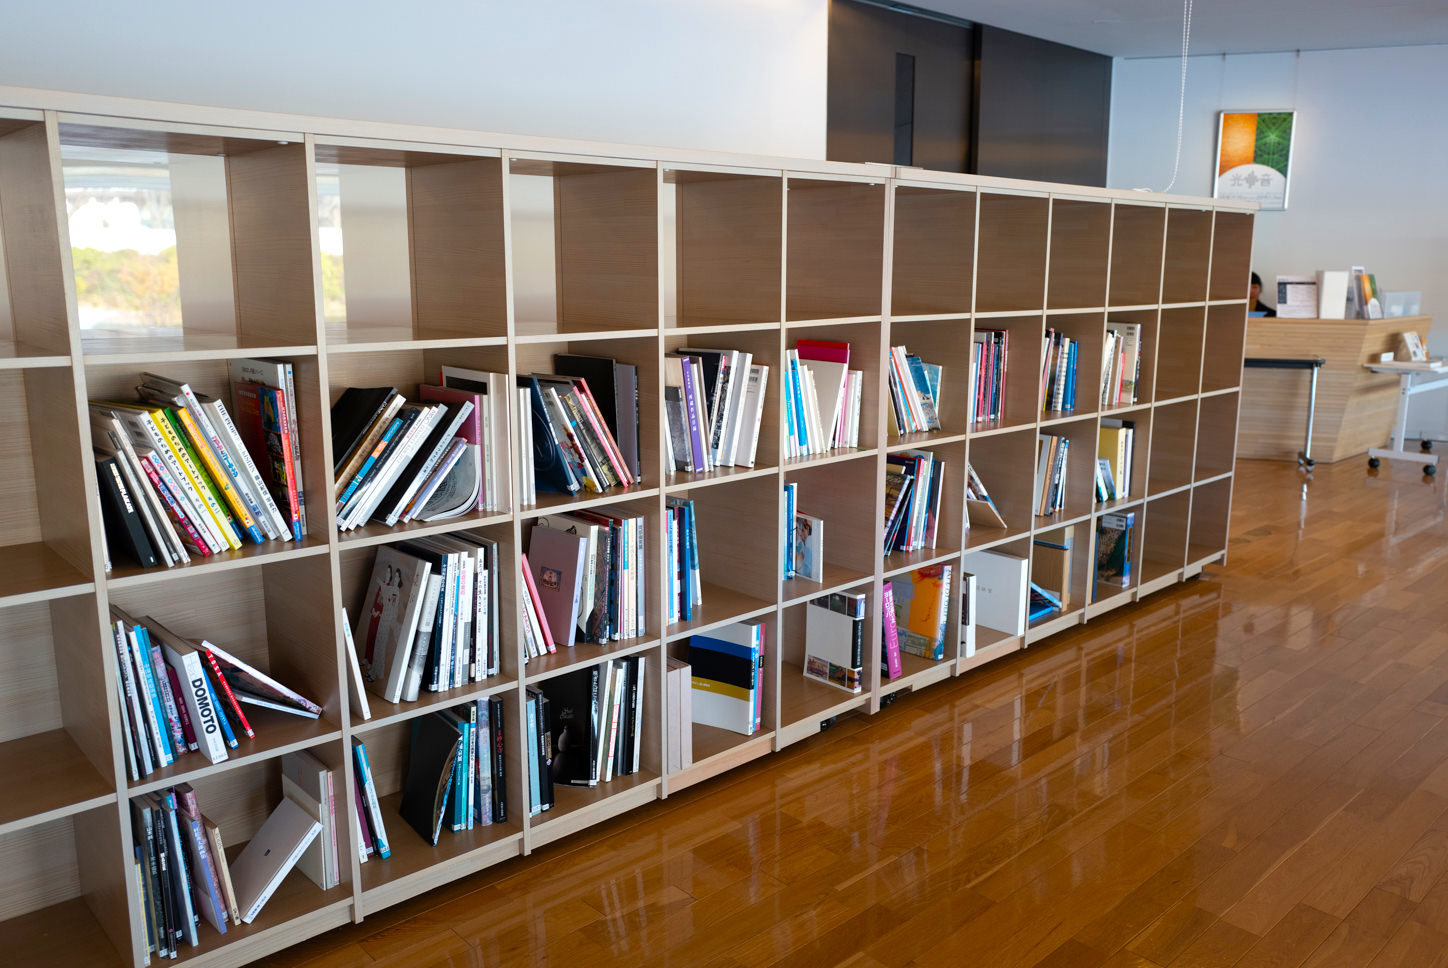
[[149, 689], [412, 685], [191, 670], [673, 726], [110, 438], [1000, 582], [640, 664], [132, 692], [735, 429], [497, 419], [968, 594], [144, 433], [270, 855], [457, 413], [389, 619], [371, 493], [752, 417], [360, 707], [221, 420]]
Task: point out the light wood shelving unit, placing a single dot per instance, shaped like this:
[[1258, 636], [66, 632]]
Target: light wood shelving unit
[[496, 252]]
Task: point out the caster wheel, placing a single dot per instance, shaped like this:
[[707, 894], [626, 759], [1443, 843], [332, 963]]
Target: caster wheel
[[1374, 463], [1430, 469], [1310, 462], [1425, 445]]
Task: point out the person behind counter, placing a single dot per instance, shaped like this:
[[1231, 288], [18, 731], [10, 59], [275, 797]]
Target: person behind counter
[[1255, 305]]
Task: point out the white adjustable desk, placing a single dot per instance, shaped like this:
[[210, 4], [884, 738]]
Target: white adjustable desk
[[1413, 378]]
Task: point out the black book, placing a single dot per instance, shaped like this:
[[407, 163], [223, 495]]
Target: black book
[[352, 416], [575, 741], [615, 388], [430, 764], [500, 782], [550, 470], [678, 427], [124, 528], [623, 749], [545, 752], [143, 829]]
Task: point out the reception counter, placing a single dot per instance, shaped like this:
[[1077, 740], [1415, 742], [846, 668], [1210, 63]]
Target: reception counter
[[1355, 407]]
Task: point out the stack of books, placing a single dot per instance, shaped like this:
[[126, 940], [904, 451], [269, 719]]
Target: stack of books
[[914, 480], [679, 715], [804, 539], [436, 458], [585, 578], [916, 607], [726, 676], [1051, 473], [179, 696], [1120, 365], [578, 428], [179, 477], [686, 591], [183, 873], [455, 775], [834, 640], [1058, 372], [592, 723], [914, 393], [430, 618], [714, 402], [822, 398], [1115, 445], [990, 348]]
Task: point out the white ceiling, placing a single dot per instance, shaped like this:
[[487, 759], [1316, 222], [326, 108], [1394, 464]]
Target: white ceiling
[[1153, 28]]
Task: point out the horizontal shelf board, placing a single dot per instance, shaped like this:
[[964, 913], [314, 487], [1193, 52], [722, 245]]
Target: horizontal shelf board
[[721, 606], [1004, 313], [1097, 609], [1105, 592], [963, 315], [1171, 400], [551, 335], [930, 438], [1199, 556], [991, 428], [1133, 308], [1120, 504], [804, 700], [1226, 302], [391, 341], [575, 808], [1201, 304], [672, 327], [1048, 625], [47, 777], [899, 562], [1158, 574], [1066, 311], [61, 934], [411, 854], [988, 649], [276, 734], [115, 347], [35, 572], [377, 533], [680, 481], [711, 743], [831, 321], [1125, 409], [1213, 479], [385, 713], [1220, 393], [248, 556], [16, 355], [549, 503], [1167, 492], [1060, 519], [829, 457], [297, 910], [917, 672], [1051, 418], [980, 538], [582, 655], [836, 578]]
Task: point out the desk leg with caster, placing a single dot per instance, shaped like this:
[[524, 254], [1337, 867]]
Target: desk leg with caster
[[1304, 456], [1397, 444]]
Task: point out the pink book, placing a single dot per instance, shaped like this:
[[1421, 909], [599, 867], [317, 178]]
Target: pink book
[[537, 605], [827, 351], [472, 428], [367, 846], [891, 642], [181, 710]]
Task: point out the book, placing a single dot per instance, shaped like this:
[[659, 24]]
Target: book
[[368, 788], [834, 640], [432, 759], [808, 547], [307, 782], [124, 527], [388, 620], [968, 592], [1000, 602], [270, 855], [249, 682], [979, 507], [191, 669], [724, 679], [558, 560], [921, 600]]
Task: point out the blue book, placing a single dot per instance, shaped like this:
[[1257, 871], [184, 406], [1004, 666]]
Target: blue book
[[535, 801], [221, 715], [153, 693]]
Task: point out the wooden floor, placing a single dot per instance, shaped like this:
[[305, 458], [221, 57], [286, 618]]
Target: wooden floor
[[1250, 769]]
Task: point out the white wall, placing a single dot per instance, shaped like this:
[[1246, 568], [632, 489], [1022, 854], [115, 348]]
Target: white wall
[[1369, 169], [738, 75]]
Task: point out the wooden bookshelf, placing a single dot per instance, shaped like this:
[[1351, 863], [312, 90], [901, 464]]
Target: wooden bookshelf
[[369, 254]]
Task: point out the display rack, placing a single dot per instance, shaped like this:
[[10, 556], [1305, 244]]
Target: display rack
[[495, 252]]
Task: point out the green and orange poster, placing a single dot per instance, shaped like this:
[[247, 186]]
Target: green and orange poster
[[1254, 156]]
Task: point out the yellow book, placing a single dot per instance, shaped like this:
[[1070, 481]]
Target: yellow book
[[219, 476], [194, 475]]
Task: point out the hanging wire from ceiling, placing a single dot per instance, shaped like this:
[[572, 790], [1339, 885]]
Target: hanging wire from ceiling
[[1182, 100]]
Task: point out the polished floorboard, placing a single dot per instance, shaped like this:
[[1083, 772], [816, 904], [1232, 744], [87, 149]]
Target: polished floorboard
[[1249, 770]]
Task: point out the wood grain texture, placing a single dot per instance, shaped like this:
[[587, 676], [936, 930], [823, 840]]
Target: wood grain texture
[[1080, 254], [1355, 407], [1010, 270], [455, 221], [834, 249], [271, 244], [934, 251], [29, 213], [1136, 254], [730, 249]]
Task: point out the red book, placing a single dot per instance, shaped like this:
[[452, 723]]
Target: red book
[[226, 689], [537, 605], [181, 709]]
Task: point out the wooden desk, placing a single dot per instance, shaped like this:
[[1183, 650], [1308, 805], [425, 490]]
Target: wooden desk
[[1355, 406]]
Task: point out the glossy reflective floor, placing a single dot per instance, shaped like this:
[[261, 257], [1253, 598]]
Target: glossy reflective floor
[[1250, 769]]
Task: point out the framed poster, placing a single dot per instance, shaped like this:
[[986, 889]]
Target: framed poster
[[1254, 157]]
